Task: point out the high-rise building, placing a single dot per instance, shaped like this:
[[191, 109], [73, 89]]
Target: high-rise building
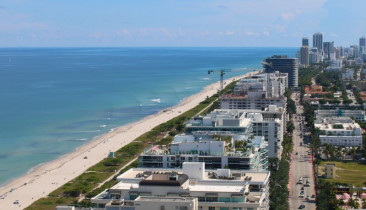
[[304, 56], [283, 64], [305, 41], [355, 51], [363, 41], [363, 45], [318, 41], [328, 48]]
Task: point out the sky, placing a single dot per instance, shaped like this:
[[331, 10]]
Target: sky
[[174, 23]]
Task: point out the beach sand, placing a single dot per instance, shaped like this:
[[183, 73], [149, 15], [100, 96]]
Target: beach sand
[[48, 177]]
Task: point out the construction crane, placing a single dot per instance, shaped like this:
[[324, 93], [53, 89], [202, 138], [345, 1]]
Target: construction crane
[[222, 73]]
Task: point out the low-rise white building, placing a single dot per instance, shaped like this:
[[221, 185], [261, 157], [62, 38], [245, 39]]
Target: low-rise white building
[[214, 189], [214, 153], [246, 102], [359, 115], [220, 122], [269, 122], [339, 131]]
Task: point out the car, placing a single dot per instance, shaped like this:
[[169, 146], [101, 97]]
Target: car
[[296, 153], [307, 197], [16, 202], [302, 206], [313, 196], [302, 188]]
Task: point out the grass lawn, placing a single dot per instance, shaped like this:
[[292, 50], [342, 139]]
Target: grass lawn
[[346, 172]]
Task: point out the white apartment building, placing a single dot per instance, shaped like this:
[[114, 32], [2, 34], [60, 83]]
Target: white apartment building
[[214, 189], [339, 131], [268, 84], [214, 153], [268, 122], [220, 122], [359, 115], [246, 102], [271, 129]]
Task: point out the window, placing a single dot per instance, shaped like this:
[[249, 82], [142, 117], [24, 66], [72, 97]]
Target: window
[[224, 208], [201, 199], [211, 199], [237, 199], [133, 197], [224, 199], [211, 208]]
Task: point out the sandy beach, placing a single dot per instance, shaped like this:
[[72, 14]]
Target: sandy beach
[[48, 177]]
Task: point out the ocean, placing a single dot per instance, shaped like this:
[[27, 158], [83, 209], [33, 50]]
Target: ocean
[[53, 100]]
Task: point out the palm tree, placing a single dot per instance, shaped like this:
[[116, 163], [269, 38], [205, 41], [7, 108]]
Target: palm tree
[[353, 152]]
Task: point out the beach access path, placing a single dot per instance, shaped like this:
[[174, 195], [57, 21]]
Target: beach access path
[[52, 175]]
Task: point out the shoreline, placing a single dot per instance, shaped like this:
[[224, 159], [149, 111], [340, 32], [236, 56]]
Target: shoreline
[[46, 177]]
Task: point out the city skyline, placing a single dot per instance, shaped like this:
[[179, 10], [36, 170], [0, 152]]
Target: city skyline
[[248, 23]]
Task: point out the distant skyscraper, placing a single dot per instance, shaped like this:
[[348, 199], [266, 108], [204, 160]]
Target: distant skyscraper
[[318, 41], [283, 64], [355, 51], [363, 41], [329, 49], [363, 45], [304, 56], [305, 41]]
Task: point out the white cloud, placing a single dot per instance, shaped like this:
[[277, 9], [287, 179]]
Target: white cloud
[[126, 32], [229, 33], [298, 11], [287, 16], [249, 33], [266, 33]]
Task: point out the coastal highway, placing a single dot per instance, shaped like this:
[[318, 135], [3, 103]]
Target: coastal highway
[[301, 165]]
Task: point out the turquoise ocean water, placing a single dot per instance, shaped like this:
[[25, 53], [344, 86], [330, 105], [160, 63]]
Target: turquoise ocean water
[[53, 100]]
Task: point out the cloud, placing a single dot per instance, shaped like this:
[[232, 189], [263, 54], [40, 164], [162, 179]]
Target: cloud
[[249, 33], [265, 32], [126, 32], [229, 33], [287, 16], [298, 11]]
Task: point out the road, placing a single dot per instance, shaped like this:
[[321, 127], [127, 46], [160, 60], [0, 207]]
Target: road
[[301, 164]]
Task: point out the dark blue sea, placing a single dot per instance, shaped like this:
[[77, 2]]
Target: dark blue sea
[[53, 100]]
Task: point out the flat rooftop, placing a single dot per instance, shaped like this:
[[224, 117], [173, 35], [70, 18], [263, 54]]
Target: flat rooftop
[[336, 124], [135, 175]]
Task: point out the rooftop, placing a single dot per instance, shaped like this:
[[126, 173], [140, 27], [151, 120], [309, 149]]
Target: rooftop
[[138, 174]]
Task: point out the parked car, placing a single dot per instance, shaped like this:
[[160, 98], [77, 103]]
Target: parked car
[[302, 206]]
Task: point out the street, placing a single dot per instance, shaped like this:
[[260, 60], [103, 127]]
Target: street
[[301, 183]]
